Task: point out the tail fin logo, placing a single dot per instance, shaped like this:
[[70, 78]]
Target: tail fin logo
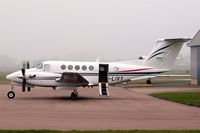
[[156, 55], [157, 52]]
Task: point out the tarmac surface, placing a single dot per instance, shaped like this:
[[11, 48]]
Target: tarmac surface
[[132, 108]]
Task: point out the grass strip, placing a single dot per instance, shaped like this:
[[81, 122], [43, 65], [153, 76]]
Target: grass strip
[[188, 98]]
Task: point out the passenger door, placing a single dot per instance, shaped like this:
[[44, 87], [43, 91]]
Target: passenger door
[[103, 79]]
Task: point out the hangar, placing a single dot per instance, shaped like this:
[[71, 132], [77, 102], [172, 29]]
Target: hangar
[[195, 59]]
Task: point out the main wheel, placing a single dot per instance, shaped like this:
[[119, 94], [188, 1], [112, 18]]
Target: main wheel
[[29, 89], [11, 95], [74, 96], [148, 81]]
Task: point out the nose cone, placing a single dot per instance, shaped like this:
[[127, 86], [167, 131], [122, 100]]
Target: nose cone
[[12, 76], [9, 77]]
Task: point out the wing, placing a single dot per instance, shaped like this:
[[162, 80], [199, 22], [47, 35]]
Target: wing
[[73, 79]]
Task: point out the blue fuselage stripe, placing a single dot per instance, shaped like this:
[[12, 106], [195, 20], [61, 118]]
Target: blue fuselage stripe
[[97, 74]]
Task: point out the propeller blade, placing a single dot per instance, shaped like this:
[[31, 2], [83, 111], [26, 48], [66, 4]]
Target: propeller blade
[[24, 85], [24, 65], [24, 80], [23, 71], [28, 65]]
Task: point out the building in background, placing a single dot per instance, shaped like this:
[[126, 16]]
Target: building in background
[[195, 59]]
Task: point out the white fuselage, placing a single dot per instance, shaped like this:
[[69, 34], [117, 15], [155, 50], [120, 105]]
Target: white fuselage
[[47, 73]]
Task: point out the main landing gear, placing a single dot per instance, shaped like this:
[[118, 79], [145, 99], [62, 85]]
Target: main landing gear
[[148, 81], [74, 95]]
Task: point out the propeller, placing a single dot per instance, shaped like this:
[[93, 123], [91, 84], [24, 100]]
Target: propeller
[[24, 82]]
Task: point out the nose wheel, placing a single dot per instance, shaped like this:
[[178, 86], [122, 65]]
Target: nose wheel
[[11, 94]]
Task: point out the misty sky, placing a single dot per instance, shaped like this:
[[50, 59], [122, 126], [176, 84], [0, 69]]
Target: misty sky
[[87, 29]]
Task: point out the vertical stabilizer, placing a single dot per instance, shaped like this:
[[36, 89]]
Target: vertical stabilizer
[[165, 53]]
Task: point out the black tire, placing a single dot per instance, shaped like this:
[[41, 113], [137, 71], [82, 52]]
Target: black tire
[[11, 95], [148, 81], [74, 96], [29, 89]]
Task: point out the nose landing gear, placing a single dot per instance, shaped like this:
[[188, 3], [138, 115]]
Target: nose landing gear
[[11, 94]]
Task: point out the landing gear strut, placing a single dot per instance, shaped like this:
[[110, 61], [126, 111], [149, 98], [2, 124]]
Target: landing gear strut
[[74, 95], [11, 94]]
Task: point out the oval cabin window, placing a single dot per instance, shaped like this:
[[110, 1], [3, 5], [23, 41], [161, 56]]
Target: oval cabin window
[[63, 67], [77, 67], [91, 68], [70, 67], [84, 67]]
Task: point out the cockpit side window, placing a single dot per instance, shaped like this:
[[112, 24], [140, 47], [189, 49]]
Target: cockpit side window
[[39, 66], [47, 67]]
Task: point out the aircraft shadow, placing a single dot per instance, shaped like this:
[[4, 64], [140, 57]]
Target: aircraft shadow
[[81, 98]]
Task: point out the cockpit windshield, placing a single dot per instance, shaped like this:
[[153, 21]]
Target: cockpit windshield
[[39, 66]]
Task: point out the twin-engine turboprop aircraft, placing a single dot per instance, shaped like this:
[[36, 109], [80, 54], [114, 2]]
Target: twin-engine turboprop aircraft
[[71, 75]]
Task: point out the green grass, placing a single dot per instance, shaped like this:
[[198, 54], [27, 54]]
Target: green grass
[[189, 98], [107, 131]]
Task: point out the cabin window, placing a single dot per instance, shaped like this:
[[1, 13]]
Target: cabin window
[[70, 67], [91, 68], [63, 67], [47, 67], [77, 67], [84, 67]]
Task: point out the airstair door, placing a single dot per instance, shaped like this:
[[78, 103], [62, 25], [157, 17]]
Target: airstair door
[[103, 79]]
